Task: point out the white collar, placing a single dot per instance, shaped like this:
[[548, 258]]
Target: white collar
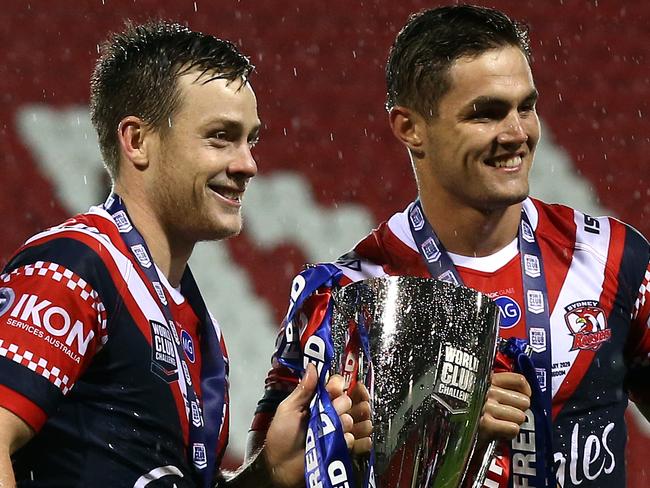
[[487, 264], [175, 293]]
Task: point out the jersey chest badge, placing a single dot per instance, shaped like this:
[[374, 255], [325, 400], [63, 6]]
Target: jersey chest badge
[[163, 352], [510, 312], [587, 324]]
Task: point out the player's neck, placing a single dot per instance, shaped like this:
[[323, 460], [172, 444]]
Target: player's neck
[[470, 232], [168, 251]]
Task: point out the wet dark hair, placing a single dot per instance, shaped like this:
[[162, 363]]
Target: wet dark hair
[[432, 40], [137, 74]]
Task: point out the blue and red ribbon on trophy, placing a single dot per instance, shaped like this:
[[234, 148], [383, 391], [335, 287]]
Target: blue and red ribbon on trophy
[[327, 459]]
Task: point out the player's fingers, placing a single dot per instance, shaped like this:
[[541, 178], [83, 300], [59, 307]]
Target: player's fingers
[[502, 412], [512, 381], [335, 385], [362, 446], [362, 429], [346, 423], [342, 404], [359, 393], [360, 411], [302, 394], [349, 440], [508, 397], [494, 429]]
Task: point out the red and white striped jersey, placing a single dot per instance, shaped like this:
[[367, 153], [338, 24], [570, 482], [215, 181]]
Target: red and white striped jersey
[[89, 362], [597, 272]]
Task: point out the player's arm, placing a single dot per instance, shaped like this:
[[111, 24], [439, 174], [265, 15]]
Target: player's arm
[[36, 374], [280, 382], [637, 349], [254, 442], [280, 461], [14, 433]]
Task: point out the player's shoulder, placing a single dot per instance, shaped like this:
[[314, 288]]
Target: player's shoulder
[[354, 268], [634, 238], [605, 238], [367, 259], [389, 249], [557, 220], [575, 224], [85, 245]]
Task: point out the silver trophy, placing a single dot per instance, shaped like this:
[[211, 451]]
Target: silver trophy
[[432, 347]]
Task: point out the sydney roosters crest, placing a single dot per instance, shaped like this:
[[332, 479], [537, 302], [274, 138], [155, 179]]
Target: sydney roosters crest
[[587, 324]]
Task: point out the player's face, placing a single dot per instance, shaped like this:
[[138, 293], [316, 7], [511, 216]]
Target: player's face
[[204, 160], [480, 146]]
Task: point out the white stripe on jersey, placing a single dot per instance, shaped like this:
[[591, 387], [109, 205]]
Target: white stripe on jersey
[[135, 286], [399, 225], [584, 281], [644, 291]]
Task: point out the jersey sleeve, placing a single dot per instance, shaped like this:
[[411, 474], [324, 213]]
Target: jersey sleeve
[[638, 350], [52, 322], [635, 271], [280, 380]]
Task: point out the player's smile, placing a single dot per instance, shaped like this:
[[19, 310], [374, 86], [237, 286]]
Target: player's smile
[[228, 194]]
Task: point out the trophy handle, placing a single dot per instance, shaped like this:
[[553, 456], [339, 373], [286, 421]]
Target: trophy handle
[[476, 473]]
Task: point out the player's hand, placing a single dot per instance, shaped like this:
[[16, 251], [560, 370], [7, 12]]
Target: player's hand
[[284, 450], [503, 413], [354, 413]]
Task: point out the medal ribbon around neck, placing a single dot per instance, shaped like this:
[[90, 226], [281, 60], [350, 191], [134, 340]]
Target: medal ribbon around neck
[[537, 368], [203, 429], [327, 460]]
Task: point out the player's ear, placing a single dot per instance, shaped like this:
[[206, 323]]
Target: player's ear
[[134, 137], [408, 126]]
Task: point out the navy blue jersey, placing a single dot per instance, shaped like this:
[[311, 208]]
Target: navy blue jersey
[[88, 360]]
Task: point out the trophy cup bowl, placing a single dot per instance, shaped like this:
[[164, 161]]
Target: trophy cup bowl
[[432, 347]]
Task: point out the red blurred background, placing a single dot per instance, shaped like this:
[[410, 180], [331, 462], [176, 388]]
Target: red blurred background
[[320, 91]]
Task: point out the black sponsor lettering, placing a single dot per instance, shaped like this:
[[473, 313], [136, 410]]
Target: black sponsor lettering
[[591, 225]]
